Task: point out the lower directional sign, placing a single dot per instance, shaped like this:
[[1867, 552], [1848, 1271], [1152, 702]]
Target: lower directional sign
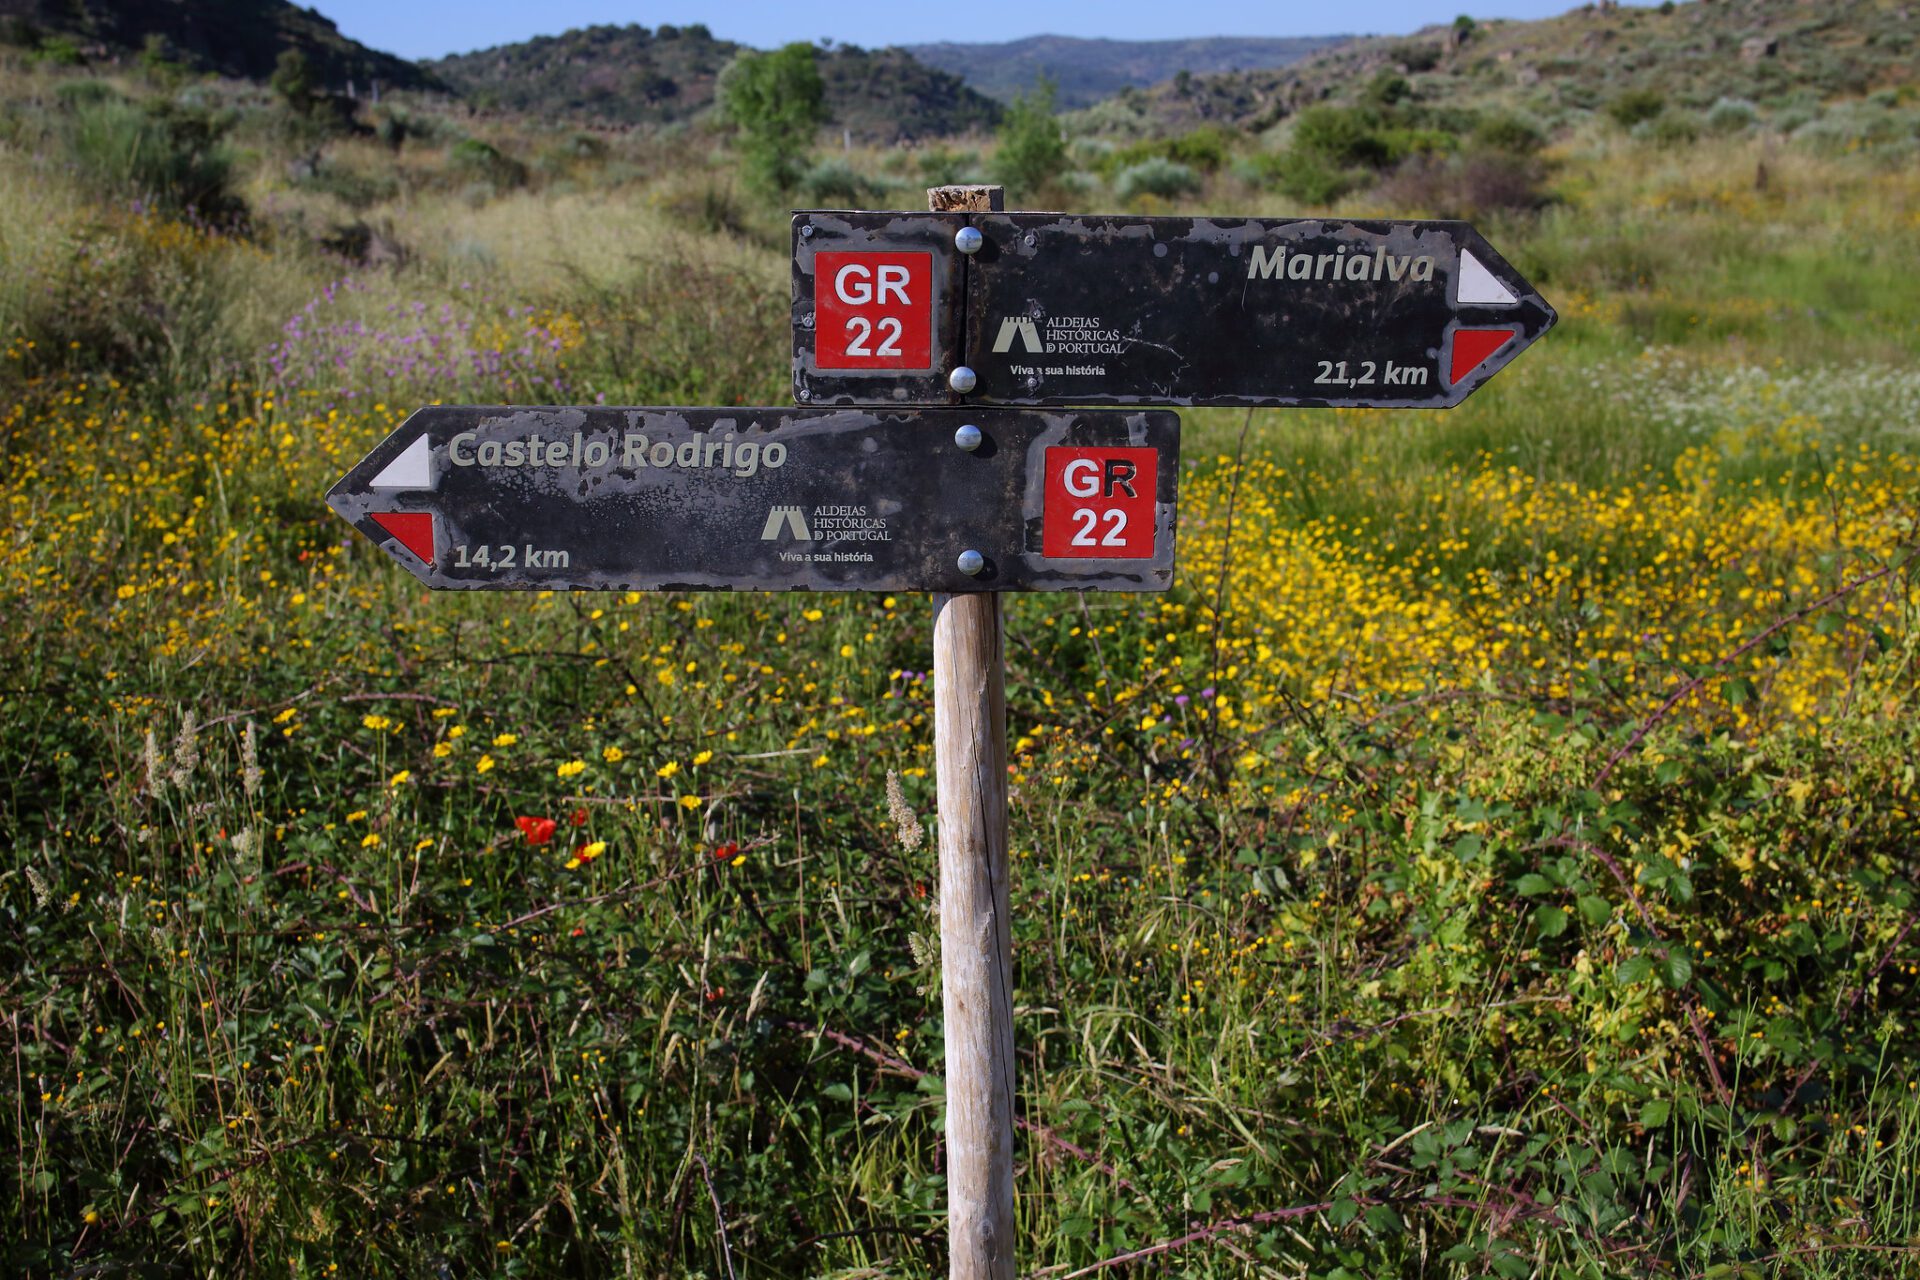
[[773, 499]]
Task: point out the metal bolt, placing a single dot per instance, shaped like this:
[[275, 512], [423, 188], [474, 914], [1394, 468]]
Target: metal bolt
[[1030, 240], [968, 437], [806, 230], [968, 239], [803, 394], [963, 379], [972, 562]]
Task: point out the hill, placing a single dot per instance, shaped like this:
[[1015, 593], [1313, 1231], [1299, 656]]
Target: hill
[[1781, 54], [632, 75], [238, 38], [1089, 70]]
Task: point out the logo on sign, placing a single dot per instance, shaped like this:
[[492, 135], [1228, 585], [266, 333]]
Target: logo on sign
[[1099, 504], [873, 311], [1022, 328], [791, 519]]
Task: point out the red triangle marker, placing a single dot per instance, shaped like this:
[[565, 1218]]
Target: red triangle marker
[[1471, 347], [413, 528]]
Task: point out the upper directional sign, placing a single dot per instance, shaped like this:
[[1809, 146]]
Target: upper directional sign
[[772, 499], [1066, 309]]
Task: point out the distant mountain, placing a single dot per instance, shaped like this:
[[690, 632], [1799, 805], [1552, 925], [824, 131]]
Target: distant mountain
[[1089, 70], [239, 38], [633, 75]]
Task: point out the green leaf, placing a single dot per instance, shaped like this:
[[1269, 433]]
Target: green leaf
[[838, 1092], [1594, 909], [1677, 969], [1551, 921], [1343, 1212], [1654, 1114], [1637, 969], [1533, 883]]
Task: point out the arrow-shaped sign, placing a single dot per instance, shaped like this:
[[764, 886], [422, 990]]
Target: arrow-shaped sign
[[772, 499], [1066, 309]]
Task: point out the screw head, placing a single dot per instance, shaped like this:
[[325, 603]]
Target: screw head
[[968, 437], [968, 239], [972, 562], [803, 394], [963, 379], [806, 230]]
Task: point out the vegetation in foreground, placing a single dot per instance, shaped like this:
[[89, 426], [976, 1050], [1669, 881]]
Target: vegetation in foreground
[[1495, 856]]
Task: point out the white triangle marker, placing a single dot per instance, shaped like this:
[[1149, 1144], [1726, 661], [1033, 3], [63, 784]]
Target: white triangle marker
[[1478, 288], [413, 469]]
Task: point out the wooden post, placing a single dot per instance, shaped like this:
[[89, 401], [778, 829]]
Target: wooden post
[[976, 941]]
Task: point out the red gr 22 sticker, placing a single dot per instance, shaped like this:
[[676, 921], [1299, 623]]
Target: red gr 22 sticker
[[1099, 504], [873, 311]]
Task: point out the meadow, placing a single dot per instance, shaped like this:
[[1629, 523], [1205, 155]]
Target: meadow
[[1495, 856]]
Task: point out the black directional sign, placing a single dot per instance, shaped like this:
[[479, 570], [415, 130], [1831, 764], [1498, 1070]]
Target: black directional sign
[[1069, 309], [772, 499]]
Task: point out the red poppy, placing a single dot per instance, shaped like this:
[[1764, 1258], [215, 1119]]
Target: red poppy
[[537, 830], [724, 851], [578, 817]]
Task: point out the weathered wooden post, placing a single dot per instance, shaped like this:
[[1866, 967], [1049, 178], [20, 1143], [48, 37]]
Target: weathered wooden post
[[976, 943]]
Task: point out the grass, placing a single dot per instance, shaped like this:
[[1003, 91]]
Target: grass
[[1493, 857]]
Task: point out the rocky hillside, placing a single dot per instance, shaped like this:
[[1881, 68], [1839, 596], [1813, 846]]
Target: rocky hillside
[[238, 38], [1773, 53], [636, 75]]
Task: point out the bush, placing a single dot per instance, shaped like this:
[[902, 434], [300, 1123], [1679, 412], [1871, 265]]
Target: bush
[[1166, 179], [1636, 106], [1032, 152], [1670, 129], [1415, 55], [1307, 177], [1342, 136], [1732, 115], [482, 162], [1509, 134], [1468, 186], [169, 158], [835, 184]]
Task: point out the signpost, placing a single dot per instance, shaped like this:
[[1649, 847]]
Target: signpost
[[607, 499], [1066, 309], [902, 475]]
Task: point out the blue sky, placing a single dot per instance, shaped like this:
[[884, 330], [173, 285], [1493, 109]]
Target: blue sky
[[429, 28]]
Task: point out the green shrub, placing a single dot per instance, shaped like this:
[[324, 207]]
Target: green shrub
[[1636, 106], [170, 158], [483, 162], [1167, 179], [1732, 115], [835, 184], [1669, 129], [1032, 151], [1306, 176], [1342, 136], [1415, 55], [1509, 134]]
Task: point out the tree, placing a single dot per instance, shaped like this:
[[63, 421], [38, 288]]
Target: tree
[[777, 101], [292, 79], [1032, 151]]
